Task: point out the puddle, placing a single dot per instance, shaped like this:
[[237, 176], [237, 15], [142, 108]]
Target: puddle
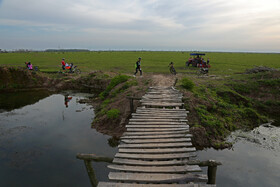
[[39, 142]]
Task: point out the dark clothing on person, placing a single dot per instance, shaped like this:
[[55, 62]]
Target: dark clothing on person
[[138, 67]]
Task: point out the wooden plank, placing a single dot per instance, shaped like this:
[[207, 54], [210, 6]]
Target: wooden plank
[[163, 104], [162, 115], [159, 169], [160, 112], [155, 133], [155, 129], [160, 109], [156, 156], [164, 140], [159, 117], [163, 96], [159, 145], [174, 95], [156, 126], [156, 123], [184, 135], [155, 116], [157, 120], [156, 178], [164, 100], [115, 184], [136, 162], [157, 150]]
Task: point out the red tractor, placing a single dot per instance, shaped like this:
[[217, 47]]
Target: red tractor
[[196, 60]]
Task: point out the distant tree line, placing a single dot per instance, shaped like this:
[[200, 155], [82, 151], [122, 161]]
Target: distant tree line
[[67, 50]]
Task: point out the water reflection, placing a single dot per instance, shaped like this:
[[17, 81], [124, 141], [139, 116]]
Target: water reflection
[[113, 141], [67, 99], [254, 159], [39, 143], [14, 100]]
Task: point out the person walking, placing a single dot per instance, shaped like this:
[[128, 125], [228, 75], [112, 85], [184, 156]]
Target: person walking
[[138, 67]]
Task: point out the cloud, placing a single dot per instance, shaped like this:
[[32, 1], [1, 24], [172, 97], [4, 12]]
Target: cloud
[[152, 23]]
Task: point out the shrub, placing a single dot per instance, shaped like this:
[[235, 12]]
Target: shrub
[[113, 113], [114, 82], [187, 84]]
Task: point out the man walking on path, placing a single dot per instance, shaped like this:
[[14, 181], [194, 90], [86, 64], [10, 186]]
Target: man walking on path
[[138, 67]]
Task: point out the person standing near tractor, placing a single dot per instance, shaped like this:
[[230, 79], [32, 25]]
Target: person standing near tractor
[[138, 67]]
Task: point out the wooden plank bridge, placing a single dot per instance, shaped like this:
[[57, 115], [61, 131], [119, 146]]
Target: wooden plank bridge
[[156, 149]]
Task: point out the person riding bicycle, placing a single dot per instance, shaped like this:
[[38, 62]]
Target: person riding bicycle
[[138, 67], [171, 68], [171, 64]]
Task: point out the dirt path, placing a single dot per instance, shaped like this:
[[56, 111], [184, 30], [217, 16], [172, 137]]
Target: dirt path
[[163, 80]]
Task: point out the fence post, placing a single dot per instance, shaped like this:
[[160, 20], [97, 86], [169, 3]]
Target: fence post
[[131, 105], [211, 173]]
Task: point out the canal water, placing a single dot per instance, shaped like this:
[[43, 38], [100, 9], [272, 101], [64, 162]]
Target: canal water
[[254, 159], [40, 135]]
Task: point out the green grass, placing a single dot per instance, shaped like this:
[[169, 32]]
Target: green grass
[[123, 61]]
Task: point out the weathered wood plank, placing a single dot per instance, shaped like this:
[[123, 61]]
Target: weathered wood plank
[[155, 133], [160, 109], [157, 150], [156, 123], [136, 162], [156, 156], [164, 140], [157, 178], [184, 135], [163, 104], [115, 184], [155, 129], [161, 100], [157, 120], [162, 115], [174, 95], [158, 117], [156, 126], [159, 112], [159, 145], [158, 169]]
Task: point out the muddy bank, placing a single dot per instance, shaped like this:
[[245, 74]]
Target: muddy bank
[[217, 106], [113, 112], [20, 79]]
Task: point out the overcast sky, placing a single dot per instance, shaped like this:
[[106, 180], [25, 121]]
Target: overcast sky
[[222, 25]]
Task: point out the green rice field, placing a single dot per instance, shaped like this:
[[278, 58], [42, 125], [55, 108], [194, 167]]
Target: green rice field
[[152, 61]]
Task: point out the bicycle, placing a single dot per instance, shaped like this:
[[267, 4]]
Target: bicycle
[[71, 69], [172, 69]]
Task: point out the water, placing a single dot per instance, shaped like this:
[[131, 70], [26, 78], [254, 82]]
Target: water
[[39, 142], [254, 159], [40, 137]]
